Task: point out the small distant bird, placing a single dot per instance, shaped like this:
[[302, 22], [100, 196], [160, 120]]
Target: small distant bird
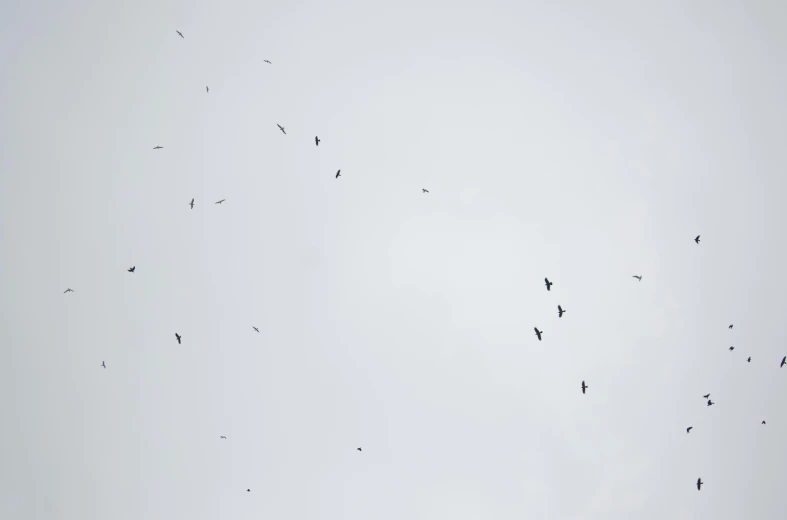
[[689, 429], [207, 89], [732, 348], [538, 333], [103, 364], [223, 437], [584, 386], [255, 328], [219, 201], [158, 147], [266, 61], [748, 360], [180, 33], [359, 449], [638, 277], [729, 327], [699, 483], [248, 490], [560, 311], [191, 203], [424, 190], [177, 337], [706, 396], [710, 403], [763, 422], [281, 128], [338, 174], [784, 361], [548, 284], [316, 141], [697, 239], [132, 269], [72, 290]]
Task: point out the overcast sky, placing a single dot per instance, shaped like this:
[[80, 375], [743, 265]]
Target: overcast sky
[[582, 141]]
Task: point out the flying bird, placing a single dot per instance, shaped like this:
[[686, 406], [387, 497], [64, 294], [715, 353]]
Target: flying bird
[[763, 422], [732, 348], [266, 61], [706, 396], [180, 33], [177, 337], [548, 284], [248, 490], [316, 141], [538, 333], [157, 147], [255, 328], [748, 360], [784, 361], [710, 403], [697, 239], [191, 203], [729, 327], [560, 311], [699, 483], [584, 386], [638, 277], [338, 174], [359, 449], [223, 437], [72, 290], [424, 190], [132, 269], [103, 364], [689, 429], [219, 201], [281, 128], [207, 89]]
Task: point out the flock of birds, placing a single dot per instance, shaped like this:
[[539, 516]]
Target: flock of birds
[[547, 283]]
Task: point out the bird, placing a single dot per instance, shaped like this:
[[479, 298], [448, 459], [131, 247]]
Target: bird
[[72, 290], [338, 174], [763, 422], [710, 403], [359, 449], [180, 33], [748, 360], [316, 141], [281, 128], [219, 201], [689, 429], [548, 284], [248, 490], [732, 348], [697, 239], [255, 328], [191, 203], [699, 483], [584, 386], [638, 277], [706, 396], [729, 327], [424, 190], [267, 61], [132, 269], [157, 147], [223, 437], [177, 337], [207, 89], [560, 311], [538, 333], [103, 364], [784, 361]]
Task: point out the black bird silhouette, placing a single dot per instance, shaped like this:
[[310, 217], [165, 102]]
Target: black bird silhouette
[[748, 360], [158, 147], [72, 290], [584, 386], [191, 203], [207, 89], [255, 328], [538, 333], [710, 403], [281, 128], [248, 490], [132, 269], [316, 141], [103, 364], [784, 361], [638, 277], [219, 201], [689, 429], [699, 483], [180, 33], [560, 311], [338, 174], [424, 190], [359, 449], [548, 284], [267, 61], [177, 337], [729, 327], [223, 437], [732, 348], [697, 240], [763, 422], [706, 396]]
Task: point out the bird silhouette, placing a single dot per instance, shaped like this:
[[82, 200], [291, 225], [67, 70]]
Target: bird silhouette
[[697, 239], [223, 437], [729, 327], [359, 449], [732, 348], [267, 61], [424, 190], [132, 269], [584, 387], [699, 483], [338, 174], [748, 360], [560, 311], [689, 429], [248, 490], [784, 361], [191, 203], [177, 337], [72, 290], [281, 128], [316, 141], [638, 277], [763, 422], [710, 403], [207, 89], [219, 201], [538, 333], [255, 328], [548, 284], [706, 396], [180, 33], [103, 364], [158, 147]]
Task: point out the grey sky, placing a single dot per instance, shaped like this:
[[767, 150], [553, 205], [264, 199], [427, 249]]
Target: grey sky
[[583, 141]]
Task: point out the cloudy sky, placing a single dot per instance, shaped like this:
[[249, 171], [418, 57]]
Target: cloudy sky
[[583, 141]]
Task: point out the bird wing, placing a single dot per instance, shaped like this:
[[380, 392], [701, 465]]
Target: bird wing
[[560, 308]]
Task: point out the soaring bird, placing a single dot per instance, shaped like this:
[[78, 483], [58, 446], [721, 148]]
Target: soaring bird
[[103, 364], [132, 269], [689, 429], [157, 147], [697, 239], [784, 361], [729, 326], [424, 190], [255, 328], [706, 396], [281, 128], [560, 311], [638, 277], [338, 174], [177, 337], [748, 360], [584, 386], [732, 348], [267, 61], [359, 449], [763, 422], [223, 437], [538, 333], [219, 201], [72, 290], [710, 403], [207, 89], [191, 203], [699, 483], [180, 33], [548, 284], [316, 141], [248, 490]]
